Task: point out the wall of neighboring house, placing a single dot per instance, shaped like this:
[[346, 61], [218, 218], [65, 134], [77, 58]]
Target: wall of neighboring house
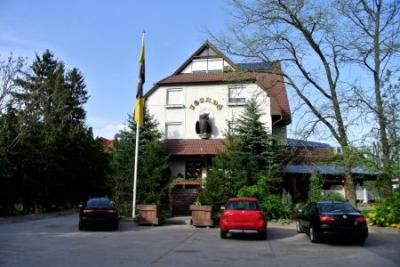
[[177, 120], [363, 194]]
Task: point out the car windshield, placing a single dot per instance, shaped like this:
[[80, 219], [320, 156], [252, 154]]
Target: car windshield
[[336, 207], [98, 203], [242, 205]]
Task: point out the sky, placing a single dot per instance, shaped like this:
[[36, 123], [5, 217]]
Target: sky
[[102, 39]]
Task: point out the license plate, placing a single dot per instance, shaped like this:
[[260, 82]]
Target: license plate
[[247, 231]]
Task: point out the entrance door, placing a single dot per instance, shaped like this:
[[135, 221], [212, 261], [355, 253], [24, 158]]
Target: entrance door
[[194, 168]]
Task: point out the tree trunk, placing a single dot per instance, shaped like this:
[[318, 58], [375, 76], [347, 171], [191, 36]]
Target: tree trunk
[[386, 177], [349, 185]]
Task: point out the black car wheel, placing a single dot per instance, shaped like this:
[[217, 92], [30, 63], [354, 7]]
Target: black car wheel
[[222, 234], [81, 227], [298, 227], [262, 236], [360, 241], [314, 238]]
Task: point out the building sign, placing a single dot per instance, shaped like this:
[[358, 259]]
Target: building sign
[[205, 100]]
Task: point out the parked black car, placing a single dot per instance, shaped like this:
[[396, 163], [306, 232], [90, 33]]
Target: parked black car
[[331, 218], [99, 212]]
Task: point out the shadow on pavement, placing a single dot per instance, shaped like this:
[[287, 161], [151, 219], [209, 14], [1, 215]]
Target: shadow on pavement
[[273, 233]]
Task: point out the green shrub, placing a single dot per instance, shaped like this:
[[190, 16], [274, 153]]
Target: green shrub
[[287, 205], [249, 191], [316, 182], [277, 207], [331, 196], [272, 204], [386, 212]]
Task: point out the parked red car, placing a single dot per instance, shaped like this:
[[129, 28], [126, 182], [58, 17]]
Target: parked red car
[[243, 215]]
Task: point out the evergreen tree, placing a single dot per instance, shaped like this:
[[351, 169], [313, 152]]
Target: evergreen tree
[[55, 161], [153, 171], [250, 165]]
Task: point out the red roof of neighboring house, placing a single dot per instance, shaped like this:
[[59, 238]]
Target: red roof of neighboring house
[[107, 144], [195, 146]]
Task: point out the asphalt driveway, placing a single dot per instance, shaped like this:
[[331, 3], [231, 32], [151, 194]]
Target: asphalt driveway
[[56, 241]]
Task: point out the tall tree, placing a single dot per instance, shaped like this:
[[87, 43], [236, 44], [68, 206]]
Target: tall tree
[[257, 147], [56, 162], [302, 36], [9, 71], [373, 41], [252, 157], [153, 170]]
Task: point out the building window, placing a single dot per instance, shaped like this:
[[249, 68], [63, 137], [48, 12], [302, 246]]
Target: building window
[[175, 97], [236, 95], [207, 65], [193, 169], [173, 130]]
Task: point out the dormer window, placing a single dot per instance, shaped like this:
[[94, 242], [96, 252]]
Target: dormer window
[[207, 65]]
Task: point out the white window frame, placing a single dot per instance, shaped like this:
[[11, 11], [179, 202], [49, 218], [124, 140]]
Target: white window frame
[[175, 105], [210, 65], [238, 101], [173, 124]]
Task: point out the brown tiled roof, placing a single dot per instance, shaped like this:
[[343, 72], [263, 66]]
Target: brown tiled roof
[[195, 146], [245, 72], [107, 144], [272, 83]]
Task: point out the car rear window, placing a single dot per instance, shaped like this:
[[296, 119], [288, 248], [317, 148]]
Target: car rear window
[[98, 203], [336, 207], [242, 205]]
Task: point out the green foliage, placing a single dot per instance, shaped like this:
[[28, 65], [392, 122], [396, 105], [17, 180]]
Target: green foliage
[[315, 192], [316, 182], [49, 158], [225, 177], [386, 212], [153, 171], [332, 196], [278, 207], [250, 166]]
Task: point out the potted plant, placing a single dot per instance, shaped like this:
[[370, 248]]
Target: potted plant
[[201, 214], [149, 213]]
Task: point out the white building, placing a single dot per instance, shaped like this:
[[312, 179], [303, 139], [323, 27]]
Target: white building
[[208, 82]]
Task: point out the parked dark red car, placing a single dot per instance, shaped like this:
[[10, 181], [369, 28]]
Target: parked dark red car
[[98, 212], [332, 218], [243, 215]]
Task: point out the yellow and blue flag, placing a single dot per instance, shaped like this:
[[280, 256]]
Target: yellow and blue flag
[[139, 106]]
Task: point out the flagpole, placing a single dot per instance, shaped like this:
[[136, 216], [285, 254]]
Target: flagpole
[[135, 172], [138, 125]]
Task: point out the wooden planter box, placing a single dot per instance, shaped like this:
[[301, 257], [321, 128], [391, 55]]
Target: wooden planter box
[[149, 215], [201, 215]]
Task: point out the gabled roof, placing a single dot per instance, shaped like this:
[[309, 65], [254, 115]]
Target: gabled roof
[[267, 75], [198, 52]]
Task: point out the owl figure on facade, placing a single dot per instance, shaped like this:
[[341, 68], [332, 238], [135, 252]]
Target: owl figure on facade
[[203, 126]]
